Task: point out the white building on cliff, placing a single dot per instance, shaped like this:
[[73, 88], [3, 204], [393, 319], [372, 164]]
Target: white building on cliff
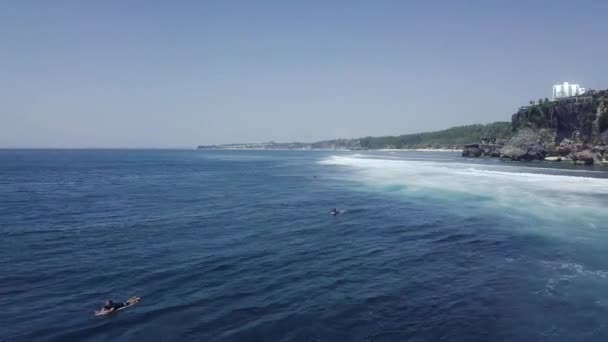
[[567, 90]]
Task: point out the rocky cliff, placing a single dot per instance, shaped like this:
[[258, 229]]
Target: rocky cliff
[[574, 128]]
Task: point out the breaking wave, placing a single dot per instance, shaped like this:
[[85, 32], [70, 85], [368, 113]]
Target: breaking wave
[[547, 194]]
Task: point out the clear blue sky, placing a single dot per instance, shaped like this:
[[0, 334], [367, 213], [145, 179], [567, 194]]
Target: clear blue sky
[[182, 73]]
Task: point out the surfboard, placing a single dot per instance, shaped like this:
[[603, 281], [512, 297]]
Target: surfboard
[[132, 301]]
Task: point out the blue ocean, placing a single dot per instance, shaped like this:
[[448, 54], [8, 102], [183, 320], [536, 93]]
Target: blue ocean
[[239, 246]]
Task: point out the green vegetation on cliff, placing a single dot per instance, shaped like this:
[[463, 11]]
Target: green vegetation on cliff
[[452, 137], [455, 137], [603, 115]]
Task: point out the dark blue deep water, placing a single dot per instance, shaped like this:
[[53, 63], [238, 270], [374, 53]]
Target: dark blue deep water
[[239, 246]]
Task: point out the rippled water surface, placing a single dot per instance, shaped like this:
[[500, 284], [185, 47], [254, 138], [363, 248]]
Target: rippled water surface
[[239, 246]]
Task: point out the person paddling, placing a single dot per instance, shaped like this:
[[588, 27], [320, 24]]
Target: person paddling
[[111, 306]]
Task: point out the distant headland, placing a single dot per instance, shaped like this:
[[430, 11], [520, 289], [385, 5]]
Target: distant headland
[[572, 126], [454, 138]]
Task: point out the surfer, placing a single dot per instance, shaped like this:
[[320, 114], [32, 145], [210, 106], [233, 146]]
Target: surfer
[[111, 306], [334, 211]]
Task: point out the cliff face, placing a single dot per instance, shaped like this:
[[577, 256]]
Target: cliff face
[[574, 128], [572, 118]]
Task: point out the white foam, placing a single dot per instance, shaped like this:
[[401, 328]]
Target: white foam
[[568, 272], [534, 190]]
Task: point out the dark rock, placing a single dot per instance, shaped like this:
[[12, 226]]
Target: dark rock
[[563, 150], [525, 145], [601, 150], [552, 151], [472, 150], [512, 152], [602, 139], [584, 158]]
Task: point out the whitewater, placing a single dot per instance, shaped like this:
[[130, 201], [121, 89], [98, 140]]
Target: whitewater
[[575, 196]]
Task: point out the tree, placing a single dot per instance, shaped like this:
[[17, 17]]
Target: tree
[[546, 100], [540, 101], [603, 119]]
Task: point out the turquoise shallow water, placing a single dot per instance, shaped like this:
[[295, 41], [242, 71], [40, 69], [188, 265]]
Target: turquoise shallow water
[[238, 246]]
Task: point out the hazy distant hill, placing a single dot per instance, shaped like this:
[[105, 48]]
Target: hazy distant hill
[[455, 137]]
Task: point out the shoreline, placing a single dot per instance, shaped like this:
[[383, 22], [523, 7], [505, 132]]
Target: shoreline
[[336, 150], [457, 150]]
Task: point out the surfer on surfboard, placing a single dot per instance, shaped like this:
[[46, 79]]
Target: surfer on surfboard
[[111, 306]]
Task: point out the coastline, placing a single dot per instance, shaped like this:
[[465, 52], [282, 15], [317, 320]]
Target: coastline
[[337, 150], [455, 150]]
